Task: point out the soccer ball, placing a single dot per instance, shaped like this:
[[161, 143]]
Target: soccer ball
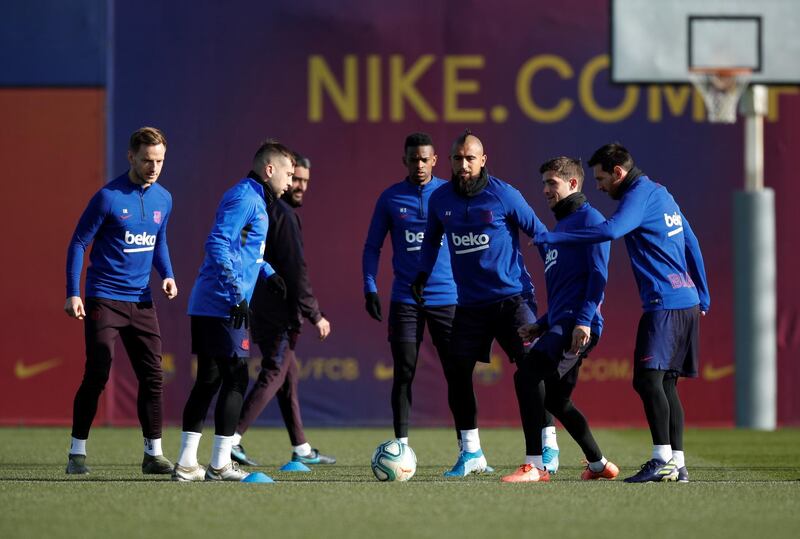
[[394, 461]]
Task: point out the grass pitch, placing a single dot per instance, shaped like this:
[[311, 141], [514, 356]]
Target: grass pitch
[[744, 484]]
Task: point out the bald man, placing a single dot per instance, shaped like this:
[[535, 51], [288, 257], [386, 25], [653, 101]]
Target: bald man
[[481, 216]]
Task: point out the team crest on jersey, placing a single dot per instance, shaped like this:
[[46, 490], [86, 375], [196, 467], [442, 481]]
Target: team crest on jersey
[[246, 344], [403, 213], [157, 217]]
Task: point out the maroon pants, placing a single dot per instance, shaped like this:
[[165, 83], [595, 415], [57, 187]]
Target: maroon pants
[[278, 377], [137, 324]]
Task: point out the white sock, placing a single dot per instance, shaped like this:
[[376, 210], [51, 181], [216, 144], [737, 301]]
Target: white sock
[[598, 466], [187, 457], [537, 462], [403, 440], [470, 440], [152, 446], [680, 460], [77, 447], [530, 459], [221, 451], [549, 437], [302, 449], [237, 438], [662, 452]]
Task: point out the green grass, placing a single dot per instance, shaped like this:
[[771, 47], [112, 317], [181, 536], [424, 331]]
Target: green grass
[[744, 484]]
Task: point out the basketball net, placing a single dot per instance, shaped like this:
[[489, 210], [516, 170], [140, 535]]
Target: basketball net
[[721, 90]]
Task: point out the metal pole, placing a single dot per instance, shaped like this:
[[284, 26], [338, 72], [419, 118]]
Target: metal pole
[[755, 279]]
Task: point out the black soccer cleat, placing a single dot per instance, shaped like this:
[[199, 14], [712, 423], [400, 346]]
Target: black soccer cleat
[[239, 455], [156, 465], [76, 465], [655, 471], [315, 457]]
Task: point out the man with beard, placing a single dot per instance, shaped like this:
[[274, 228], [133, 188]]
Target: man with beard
[[276, 324], [576, 277], [126, 224], [481, 217], [669, 270]]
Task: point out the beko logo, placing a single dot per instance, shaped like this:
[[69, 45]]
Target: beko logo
[[148, 241], [473, 242], [550, 259], [411, 237], [674, 220]]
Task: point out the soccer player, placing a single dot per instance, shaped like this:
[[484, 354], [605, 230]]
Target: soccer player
[[276, 324], [481, 217], [401, 211], [126, 223], [668, 266], [219, 310], [546, 376]]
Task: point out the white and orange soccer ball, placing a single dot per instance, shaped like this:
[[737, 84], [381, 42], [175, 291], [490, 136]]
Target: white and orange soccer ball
[[394, 461]]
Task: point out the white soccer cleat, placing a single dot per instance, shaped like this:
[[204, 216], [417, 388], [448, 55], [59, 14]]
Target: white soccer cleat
[[188, 473], [229, 472]]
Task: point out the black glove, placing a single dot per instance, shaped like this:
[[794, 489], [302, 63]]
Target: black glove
[[240, 315], [373, 305], [276, 285], [418, 287]]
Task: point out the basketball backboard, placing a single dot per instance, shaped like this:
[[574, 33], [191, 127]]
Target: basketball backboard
[[661, 41]]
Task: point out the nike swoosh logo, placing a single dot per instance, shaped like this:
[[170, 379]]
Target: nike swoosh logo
[[383, 371], [23, 371], [713, 373]]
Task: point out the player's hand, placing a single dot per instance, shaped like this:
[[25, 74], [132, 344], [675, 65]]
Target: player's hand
[[170, 288], [580, 338], [324, 328], [276, 285], [240, 315], [372, 303], [418, 288], [74, 308], [530, 332]]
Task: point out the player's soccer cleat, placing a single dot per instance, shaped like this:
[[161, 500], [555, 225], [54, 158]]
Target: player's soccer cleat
[[468, 463], [610, 471], [239, 455], [229, 472], [76, 465], [655, 471], [550, 459], [527, 473], [156, 465], [315, 457], [190, 473], [683, 475]]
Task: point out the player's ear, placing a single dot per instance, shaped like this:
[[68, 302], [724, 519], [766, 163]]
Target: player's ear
[[433, 160], [130, 156]]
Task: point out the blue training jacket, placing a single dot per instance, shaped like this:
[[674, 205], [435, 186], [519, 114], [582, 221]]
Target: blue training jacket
[[483, 238], [234, 252], [663, 249], [128, 225], [576, 275], [402, 211]]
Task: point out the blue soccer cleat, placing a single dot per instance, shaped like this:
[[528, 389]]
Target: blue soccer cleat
[[468, 463], [550, 459], [655, 471], [238, 454], [683, 475]]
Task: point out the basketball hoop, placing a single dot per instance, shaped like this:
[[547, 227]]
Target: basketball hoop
[[721, 89]]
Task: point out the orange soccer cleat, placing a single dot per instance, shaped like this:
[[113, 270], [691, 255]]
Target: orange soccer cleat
[[527, 473], [610, 471]]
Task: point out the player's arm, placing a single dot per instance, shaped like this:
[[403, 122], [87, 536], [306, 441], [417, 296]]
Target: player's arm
[[298, 286], [523, 214], [161, 259], [434, 230], [379, 226], [696, 266], [89, 223], [597, 255], [628, 217]]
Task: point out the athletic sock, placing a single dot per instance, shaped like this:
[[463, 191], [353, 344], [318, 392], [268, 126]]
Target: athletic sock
[[470, 440], [598, 466], [221, 451], [530, 459], [237, 438], [662, 452], [678, 457], [152, 446], [77, 447], [537, 462], [303, 449], [188, 453], [549, 438], [403, 440]]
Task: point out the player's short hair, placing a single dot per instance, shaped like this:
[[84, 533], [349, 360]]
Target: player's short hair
[[414, 140], [269, 150], [565, 167], [610, 156], [301, 160], [462, 138], [149, 136]]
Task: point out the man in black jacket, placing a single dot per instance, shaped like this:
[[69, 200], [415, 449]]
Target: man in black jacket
[[275, 324]]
